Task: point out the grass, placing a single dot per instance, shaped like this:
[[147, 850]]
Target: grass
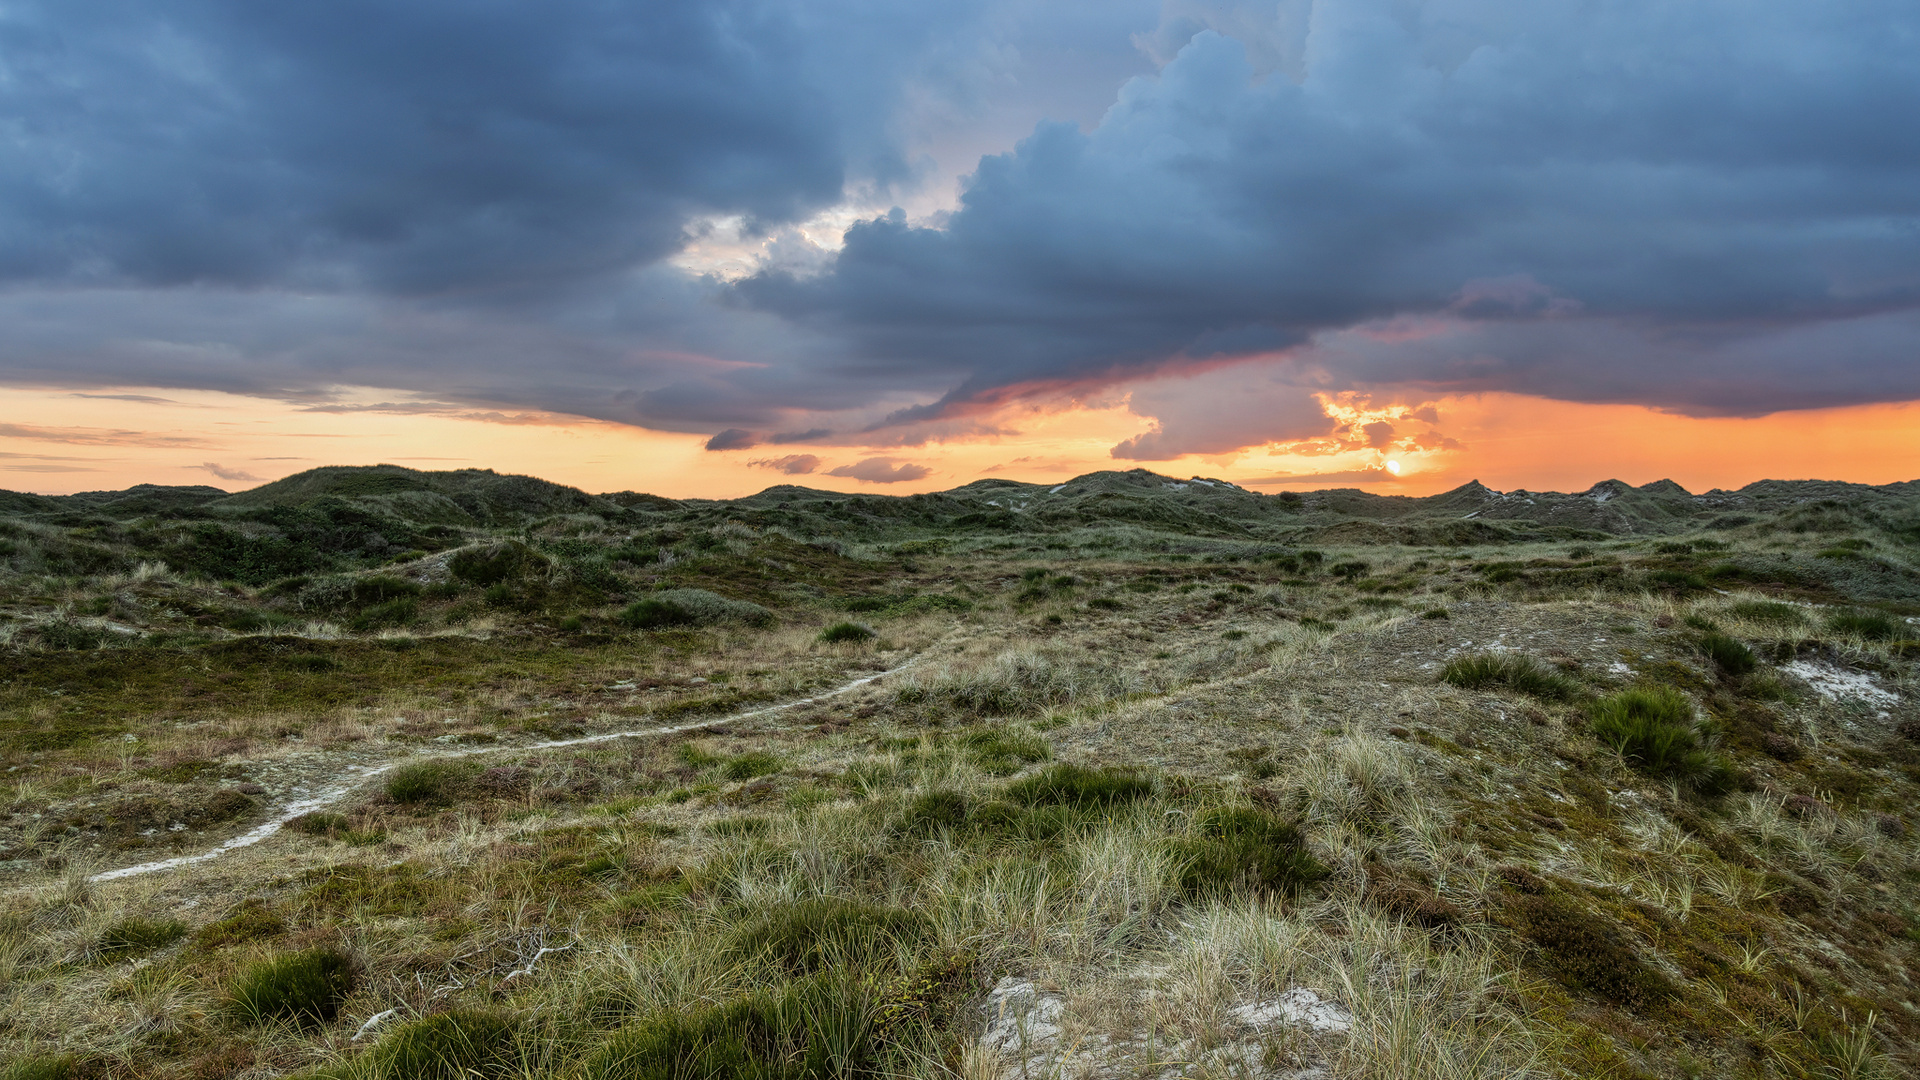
[[841, 633], [1509, 671], [1223, 828], [1654, 730], [1728, 653], [1871, 625], [825, 932], [135, 936], [1246, 849], [304, 987], [429, 782], [453, 1045], [1080, 787]]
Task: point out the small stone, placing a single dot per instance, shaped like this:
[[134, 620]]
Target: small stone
[[250, 788]]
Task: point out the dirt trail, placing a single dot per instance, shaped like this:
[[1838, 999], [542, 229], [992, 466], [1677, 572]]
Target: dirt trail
[[360, 774]]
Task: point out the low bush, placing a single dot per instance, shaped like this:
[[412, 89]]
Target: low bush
[[1870, 625], [1768, 612], [749, 765], [428, 782], [1246, 849], [1521, 674], [1654, 730], [826, 932], [1004, 751], [933, 812], [845, 632], [375, 590], [496, 563], [453, 1045], [305, 987], [251, 921], [818, 1029], [692, 607], [130, 937], [656, 614], [1079, 787], [1728, 653], [1582, 951], [60, 1067]]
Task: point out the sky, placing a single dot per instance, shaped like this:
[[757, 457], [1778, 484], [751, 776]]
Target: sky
[[698, 247]]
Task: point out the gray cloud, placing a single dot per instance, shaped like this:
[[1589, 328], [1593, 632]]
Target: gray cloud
[[1648, 177], [733, 439]]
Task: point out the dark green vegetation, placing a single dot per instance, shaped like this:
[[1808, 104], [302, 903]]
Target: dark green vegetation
[[1249, 849], [304, 987], [1568, 787], [1655, 730], [1510, 671]]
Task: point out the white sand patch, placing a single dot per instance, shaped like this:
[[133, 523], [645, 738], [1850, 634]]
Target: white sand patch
[[1297, 1006], [1836, 684]]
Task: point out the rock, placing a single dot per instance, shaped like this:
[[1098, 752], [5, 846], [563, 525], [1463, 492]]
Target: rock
[[1021, 1017]]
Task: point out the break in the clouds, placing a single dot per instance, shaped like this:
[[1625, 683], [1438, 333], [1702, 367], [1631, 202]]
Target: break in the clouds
[[1711, 207]]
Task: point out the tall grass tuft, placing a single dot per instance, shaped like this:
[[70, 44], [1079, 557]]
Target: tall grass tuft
[[1243, 848], [453, 1045], [306, 987], [1870, 625], [1654, 730], [1521, 674], [1728, 653], [1080, 787]]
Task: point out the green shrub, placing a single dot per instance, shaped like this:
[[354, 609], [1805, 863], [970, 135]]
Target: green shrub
[[691, 607], [391, 613], [1727, 652], [130, 937], [1080, 787], [817, 1029], [496, 563], [59, 1067], [1521, 674], [1246, 849], [1770, 612], [1582, 951], [251, 921], [428, 782], [375, 590], [1003, 751], [306, 987], [1655, 731], [934, 812], [747, 766], [451, 1046], [826, 932], [1864, 624], [847, 632], [320, 823]]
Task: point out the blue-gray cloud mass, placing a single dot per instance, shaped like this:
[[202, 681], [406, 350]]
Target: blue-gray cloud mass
[[1712, 207]]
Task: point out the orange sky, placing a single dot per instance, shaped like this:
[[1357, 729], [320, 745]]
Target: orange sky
[[55, 442]]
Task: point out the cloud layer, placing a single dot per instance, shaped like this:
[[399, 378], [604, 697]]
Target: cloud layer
[[1712, 208]]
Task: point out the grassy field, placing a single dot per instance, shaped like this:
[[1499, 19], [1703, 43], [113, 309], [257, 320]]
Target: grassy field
[[993, 807]]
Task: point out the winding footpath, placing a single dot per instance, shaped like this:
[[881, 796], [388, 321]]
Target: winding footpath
[[361, 774]]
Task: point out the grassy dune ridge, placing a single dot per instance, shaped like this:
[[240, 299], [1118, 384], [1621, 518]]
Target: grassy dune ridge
[[1516, 803]]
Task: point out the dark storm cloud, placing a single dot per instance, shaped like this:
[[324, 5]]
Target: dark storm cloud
[[1712, 207], [413, 146], [1650, 202]]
